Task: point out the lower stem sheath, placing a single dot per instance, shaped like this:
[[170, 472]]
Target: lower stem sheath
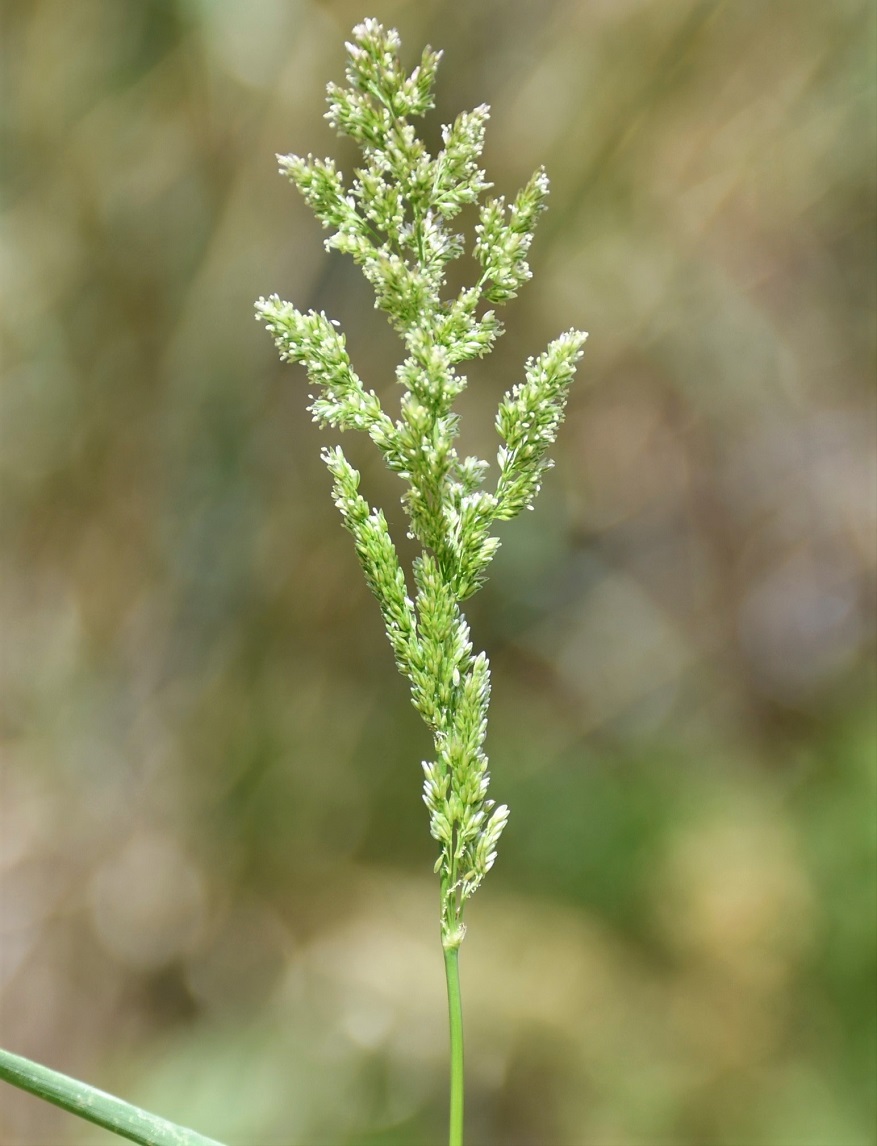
[[455, 1014]]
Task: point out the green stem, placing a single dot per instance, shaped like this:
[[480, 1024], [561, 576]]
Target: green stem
[[96, 1106], [455, 1015]]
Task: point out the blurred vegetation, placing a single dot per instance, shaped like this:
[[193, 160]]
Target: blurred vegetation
[[217, 896]]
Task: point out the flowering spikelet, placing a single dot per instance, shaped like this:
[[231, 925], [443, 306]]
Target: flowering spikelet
[[393, 220]]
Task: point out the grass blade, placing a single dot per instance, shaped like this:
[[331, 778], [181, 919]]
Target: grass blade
[[95, 1105]]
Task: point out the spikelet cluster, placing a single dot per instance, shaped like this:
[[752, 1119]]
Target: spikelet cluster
[[394, 219]]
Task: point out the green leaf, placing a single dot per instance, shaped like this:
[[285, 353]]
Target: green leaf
[[95, 1105]]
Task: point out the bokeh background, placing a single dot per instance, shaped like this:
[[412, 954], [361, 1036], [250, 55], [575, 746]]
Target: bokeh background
[[217, 896]]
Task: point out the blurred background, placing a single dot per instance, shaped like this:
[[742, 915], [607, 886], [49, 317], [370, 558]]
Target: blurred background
[[217, 897]]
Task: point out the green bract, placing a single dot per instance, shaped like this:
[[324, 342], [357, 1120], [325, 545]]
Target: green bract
[[394, 221]]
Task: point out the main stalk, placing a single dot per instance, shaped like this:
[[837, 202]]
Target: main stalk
[[455, 1016]]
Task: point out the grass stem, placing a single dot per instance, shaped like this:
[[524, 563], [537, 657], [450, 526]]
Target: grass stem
[[455, 1014]]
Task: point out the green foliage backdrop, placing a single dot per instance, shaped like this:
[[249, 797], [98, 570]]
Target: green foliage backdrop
[[217, 895]]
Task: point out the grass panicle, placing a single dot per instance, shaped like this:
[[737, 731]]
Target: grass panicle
[[394, 220]]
